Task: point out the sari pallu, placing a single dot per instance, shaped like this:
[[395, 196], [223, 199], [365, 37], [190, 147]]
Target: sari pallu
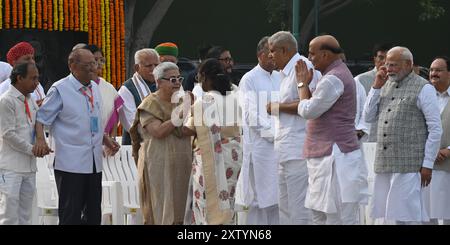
[[216, 166]]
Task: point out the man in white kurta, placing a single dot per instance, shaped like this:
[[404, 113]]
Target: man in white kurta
[[400, 97], [362, 127], [290, 132], [337, 174], [135, 89], [437, 195], [21, 53], [259, 172]]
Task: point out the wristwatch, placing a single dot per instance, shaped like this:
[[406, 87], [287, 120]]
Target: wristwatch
[[300, 85]]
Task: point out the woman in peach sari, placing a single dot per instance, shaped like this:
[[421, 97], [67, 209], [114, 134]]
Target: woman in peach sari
[[164, 154]]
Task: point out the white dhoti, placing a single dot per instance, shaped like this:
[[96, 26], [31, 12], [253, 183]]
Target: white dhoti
[[337, 185], [263, 216], [437, 197], [398, 197], [293, 184], [258, 214]]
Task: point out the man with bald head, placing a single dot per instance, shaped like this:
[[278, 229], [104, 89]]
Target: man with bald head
[[289, 132], [409, 133], [337, 177], [135, 89], [72, 112]]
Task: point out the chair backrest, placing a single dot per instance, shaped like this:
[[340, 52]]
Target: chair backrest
[[122, 168], [119, 139], [46, 191]]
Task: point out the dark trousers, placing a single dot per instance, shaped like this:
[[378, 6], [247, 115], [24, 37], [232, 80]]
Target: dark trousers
[[80, 198]]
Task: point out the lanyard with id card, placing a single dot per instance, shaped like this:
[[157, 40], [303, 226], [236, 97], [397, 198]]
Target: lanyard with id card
[[93, 119], [94, 124]]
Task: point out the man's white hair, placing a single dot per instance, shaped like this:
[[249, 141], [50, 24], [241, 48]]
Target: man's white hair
[[138, 56], [79, 45], [284, 39], [404, 52], [162, 68]]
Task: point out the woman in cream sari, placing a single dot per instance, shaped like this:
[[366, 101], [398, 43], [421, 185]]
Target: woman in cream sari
[[218, 154], [164, 154], [111, 100]]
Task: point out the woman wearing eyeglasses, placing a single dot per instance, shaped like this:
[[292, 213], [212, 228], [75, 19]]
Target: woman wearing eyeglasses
[[218, 154], [164, 154]]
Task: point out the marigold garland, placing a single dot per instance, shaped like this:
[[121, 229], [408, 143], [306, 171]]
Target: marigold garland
[[14, 14], [66, 14], [102, 37], [50, 15], [108, 42], [33, 14], [116, 47], [71, 15], [103, 20], [94, 23], [113, 43], [39, 16], [7, 14], [27, 13], [81, 11], [122, 42], [86, 24], [62, 18], [76, 15], [55, 15], [20, 13], [90, 23], [1, 14]]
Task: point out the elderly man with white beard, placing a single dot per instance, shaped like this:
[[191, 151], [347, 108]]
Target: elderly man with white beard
[[409, 135]]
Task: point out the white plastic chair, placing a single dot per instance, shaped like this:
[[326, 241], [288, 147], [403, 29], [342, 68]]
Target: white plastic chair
[[46, 192], [46, 200], [122, 168], [119, 139], [112, 203]]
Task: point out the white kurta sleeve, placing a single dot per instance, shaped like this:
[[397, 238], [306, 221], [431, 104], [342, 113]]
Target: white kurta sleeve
[[360, 121], [327, 92], [250, 103], [371, 106], [128, 110], [428, 104]]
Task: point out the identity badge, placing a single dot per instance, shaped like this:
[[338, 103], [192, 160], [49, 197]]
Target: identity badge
[[94, 124]]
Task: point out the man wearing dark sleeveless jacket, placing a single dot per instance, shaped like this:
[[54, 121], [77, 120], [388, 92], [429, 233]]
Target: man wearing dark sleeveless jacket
[[409, 134], [135, 89]]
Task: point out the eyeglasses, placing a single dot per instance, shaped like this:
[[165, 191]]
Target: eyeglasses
[[227, 60], [91, 64], [173, 79], [101, 61]]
